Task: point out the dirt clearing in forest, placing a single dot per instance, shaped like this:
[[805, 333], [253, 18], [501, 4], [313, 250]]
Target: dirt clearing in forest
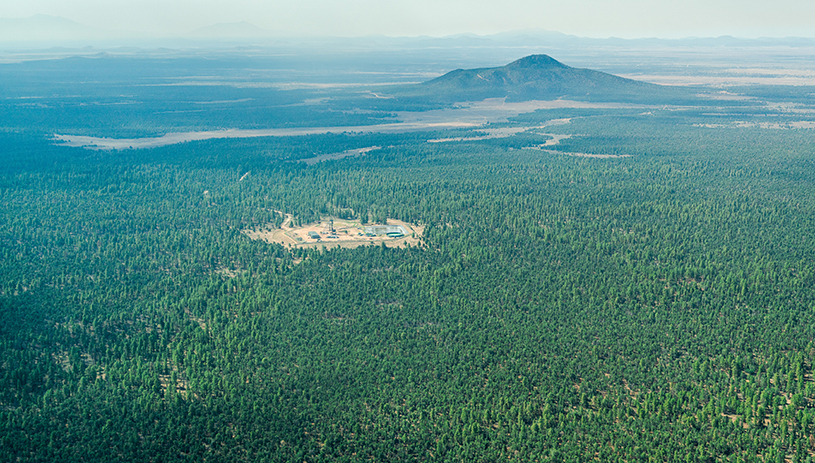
[[333, 232]]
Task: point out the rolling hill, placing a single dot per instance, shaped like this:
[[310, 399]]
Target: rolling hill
[[541, 77]]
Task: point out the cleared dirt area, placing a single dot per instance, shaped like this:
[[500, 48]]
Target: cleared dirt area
[[346, 234]]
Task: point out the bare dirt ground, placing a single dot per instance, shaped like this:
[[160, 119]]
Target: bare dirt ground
[[598, 156], [505, 132], [344, 154], [579, 155], [463, 115], [348, 234], [502, 132], [712, 81], [761, 125], [556, 138]]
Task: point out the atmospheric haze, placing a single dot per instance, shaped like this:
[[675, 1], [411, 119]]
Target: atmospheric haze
[[588, 18]]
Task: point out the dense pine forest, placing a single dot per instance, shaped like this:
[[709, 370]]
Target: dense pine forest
[[655, 305]]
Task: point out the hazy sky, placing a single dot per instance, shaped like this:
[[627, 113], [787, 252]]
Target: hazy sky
[[590, 18]]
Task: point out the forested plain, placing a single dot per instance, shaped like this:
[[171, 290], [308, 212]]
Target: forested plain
[[654, 307]]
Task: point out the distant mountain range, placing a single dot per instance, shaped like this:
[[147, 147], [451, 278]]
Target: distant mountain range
[[539, 77], [44, 28]]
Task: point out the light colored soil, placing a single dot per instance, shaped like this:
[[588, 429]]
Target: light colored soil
[[731, 80], [349, 234], [556, 138], [598, 156], [503, 132], [725, 96], [343, 154], [761, 125], [226, 272], [200, 321], [463, 115], [510, 131], [579, 155], [286, 219]]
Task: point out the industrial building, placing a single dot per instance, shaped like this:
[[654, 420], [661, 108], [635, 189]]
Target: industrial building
[[392, 231]]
